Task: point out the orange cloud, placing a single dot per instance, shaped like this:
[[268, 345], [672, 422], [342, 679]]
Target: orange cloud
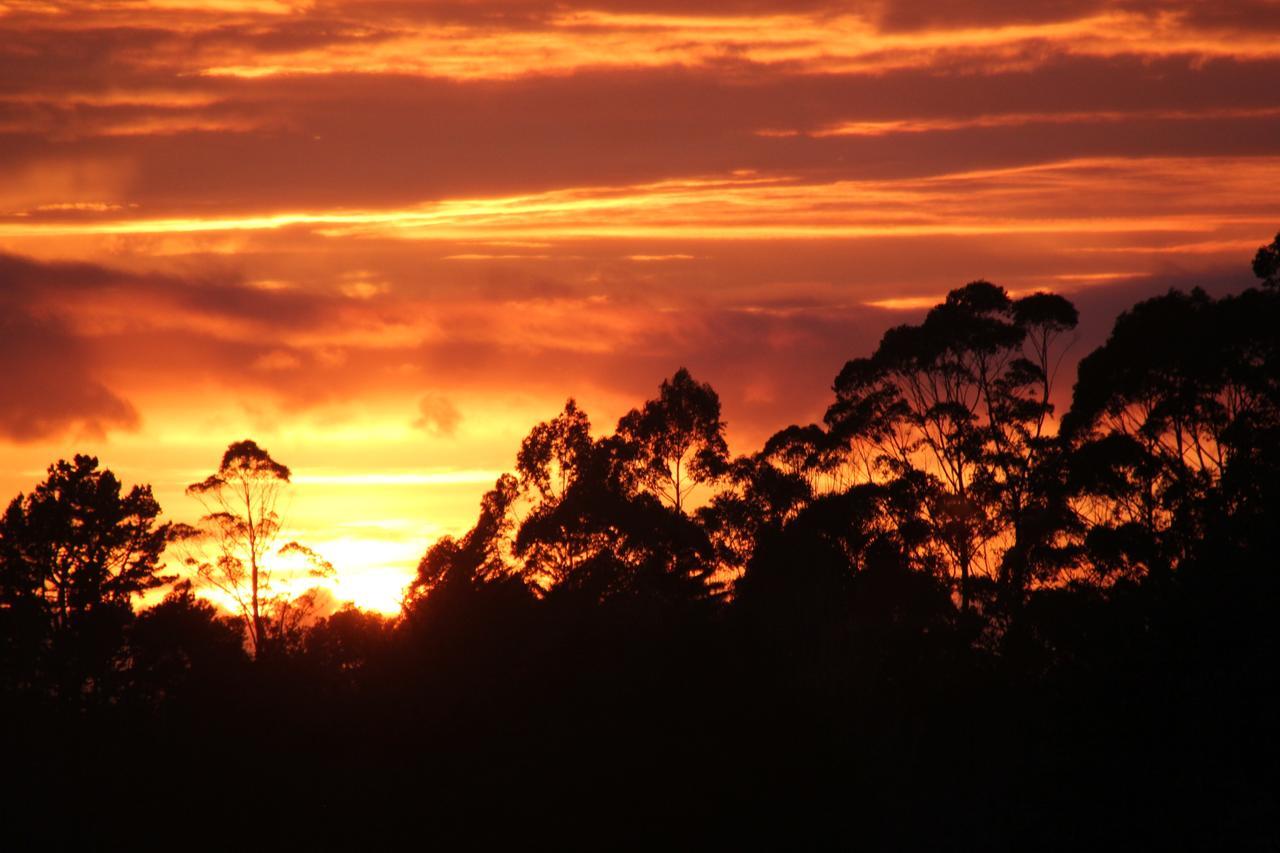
[[1142, 195], [1006, 120], [824, 43]]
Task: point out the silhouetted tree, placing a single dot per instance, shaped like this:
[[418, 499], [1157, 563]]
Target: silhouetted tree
[[1266, 264], [959, 403], [814, 454], [344, 643], [624, 540], [762, 498], [1165, 415], [479, 556], [676, 441], [553, 453], [182, 643], [468, 598], [587, 524], [73, 553], [239, 531], [1025, 458], [552, 458]]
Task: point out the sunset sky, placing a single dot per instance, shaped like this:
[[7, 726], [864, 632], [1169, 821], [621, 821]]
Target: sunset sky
[[385, 238]]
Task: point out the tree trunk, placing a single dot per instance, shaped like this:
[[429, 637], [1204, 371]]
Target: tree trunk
[[258, 634]]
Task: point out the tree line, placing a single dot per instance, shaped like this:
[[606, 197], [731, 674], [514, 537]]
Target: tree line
[[944, 594]]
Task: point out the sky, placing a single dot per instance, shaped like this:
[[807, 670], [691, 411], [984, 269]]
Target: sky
[[384, 238]]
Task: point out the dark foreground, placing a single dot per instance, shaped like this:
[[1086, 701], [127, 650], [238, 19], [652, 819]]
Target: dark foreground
[[1144, 721]]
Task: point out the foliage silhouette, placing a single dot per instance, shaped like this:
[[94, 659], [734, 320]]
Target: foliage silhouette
[[235, 537], [73, 553], [941, 619], [1266, 264], [959, 405], [675, 442]]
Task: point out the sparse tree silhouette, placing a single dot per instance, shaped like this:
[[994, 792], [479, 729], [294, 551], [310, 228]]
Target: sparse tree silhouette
[[240, 531]]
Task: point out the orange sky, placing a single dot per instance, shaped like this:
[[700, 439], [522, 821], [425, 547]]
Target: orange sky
[[384, 238]]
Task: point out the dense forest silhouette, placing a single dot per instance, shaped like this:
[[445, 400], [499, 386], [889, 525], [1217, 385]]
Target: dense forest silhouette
[[946, 617]]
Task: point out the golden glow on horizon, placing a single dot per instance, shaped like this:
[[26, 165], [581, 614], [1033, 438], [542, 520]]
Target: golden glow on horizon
[[1008, 201], [427, 478], [763, 208], [371, 576]]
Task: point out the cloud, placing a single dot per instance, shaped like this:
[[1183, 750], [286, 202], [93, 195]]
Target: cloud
[[74, 330], [438, 415], [479, 196], [48, 387], [599, 327], [364, 141]]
